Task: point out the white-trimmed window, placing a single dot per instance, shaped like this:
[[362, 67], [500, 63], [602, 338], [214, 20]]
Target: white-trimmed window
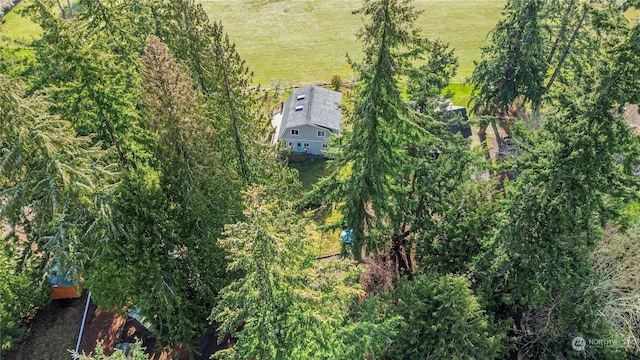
[[290, 144], [325, 146], [305, 145], [322, 133], [295, 132]]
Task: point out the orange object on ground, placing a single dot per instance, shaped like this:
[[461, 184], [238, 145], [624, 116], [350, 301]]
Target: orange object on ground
[[65, 292], [62, 287]]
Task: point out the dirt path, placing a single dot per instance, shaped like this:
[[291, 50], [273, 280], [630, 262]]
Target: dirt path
[[53, 332], [101, 326]]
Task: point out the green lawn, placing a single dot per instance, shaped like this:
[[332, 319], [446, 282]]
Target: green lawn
[[17, 30], [330, 242], [462, 94], [296, 42], [290, 43], [310, 172]]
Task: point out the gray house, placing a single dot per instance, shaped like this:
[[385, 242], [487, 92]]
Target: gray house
[[307, 119]]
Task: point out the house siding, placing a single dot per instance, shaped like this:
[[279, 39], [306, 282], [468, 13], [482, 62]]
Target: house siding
[[307, 134]]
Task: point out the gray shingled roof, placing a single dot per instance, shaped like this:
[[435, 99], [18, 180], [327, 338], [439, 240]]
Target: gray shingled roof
[[320, 107]]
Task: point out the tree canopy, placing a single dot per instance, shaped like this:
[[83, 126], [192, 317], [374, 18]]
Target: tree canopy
[[136, 156]]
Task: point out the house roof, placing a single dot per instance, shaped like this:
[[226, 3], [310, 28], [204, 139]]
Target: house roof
[[458, 110], [312, 105]]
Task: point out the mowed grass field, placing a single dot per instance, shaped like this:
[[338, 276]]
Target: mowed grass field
[[18, 32], [295, 42]]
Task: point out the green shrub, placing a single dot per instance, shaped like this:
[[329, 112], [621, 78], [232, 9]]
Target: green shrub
[[21, 294], [137, 353], [443, 319], [336, 82]]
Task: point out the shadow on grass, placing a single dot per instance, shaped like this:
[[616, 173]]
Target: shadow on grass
[[310, 172]]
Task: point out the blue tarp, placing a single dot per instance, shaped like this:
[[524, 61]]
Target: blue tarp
[[346, 235], [59, 278]]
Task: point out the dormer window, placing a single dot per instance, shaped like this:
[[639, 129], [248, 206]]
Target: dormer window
[[295, 132], [299, 108], [322, 133], [300, 97]]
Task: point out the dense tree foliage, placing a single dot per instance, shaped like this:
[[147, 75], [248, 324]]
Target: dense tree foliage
[[236, 108], [52, 180], [137, 354], [368, 183], [442, 319], [89, 77], [21, 291], [134, 152], [171, 210], [51, 183], [426, 83], [537, 49], [149, 166], [516, 66], [571, 180], [288, 305]]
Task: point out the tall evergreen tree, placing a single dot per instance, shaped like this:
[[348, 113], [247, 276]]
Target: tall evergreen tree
[[569, 185], [513, 64], [537, 45], [234, 102], [53, 181], [287, 305], [170, 211], [185, 157], [425, 85], [368, 179], [236, 108], [91, 76], [23, 165], [513, 69], [565, 19], [450, 213], [187, 35], [442, 319]]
